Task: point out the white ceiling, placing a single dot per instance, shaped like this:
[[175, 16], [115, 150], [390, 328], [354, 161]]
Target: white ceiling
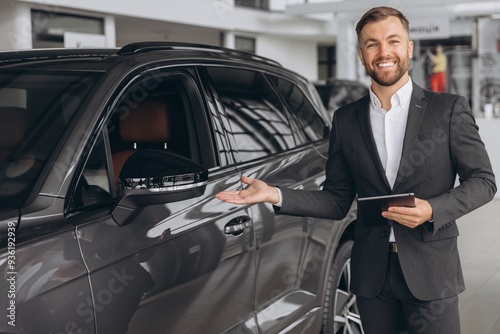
[[129, 29], [411, 8]]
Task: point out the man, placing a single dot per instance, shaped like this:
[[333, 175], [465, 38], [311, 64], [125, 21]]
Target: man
[[438, 74], [398, 139]]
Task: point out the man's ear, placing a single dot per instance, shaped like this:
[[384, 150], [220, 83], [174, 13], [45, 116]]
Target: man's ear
[[360, 56], [410, 49]]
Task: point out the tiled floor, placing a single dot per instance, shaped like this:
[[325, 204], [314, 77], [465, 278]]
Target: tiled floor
[[479, 245]]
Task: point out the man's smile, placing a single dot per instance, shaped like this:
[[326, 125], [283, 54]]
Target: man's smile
[[386, 64]]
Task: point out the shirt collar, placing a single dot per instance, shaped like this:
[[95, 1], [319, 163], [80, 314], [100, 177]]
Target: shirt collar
[[401, 97]]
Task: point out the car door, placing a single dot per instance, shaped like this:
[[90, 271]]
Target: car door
[[181, 265], [291, 251]]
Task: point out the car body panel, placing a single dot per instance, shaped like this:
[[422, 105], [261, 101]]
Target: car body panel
[[44, 270]]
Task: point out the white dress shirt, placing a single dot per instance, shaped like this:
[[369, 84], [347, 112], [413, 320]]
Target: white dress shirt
[[388, 128]]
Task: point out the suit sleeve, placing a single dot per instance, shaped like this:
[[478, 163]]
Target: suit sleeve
[[472, 164], [334, 200]]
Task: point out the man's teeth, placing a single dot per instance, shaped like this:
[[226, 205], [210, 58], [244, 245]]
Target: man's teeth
[[385, 64]]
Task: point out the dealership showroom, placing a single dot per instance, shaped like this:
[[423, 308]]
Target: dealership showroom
[[315, 39]]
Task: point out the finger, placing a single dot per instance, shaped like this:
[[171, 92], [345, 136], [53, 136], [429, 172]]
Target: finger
[[226, 193], [397, 209], [247, 180], [223, 196], [235, 201]]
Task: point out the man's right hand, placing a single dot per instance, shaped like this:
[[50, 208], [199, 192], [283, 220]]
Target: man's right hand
[[256, 192]]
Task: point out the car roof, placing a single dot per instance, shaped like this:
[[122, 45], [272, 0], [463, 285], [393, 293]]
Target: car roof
[[104, 58]]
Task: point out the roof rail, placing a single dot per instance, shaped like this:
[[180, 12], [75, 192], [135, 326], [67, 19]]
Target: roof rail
[[140, 47]]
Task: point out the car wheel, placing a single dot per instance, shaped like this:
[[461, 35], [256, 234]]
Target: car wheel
[[340, 311]]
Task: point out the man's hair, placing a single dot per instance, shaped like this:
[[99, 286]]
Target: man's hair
[[377, 14]]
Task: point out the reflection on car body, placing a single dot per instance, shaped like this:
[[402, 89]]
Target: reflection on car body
[[110, 160], [336, 93]]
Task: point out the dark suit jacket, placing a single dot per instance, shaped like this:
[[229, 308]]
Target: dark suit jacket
[[441, 142]]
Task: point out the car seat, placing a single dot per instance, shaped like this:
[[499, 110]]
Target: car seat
[[148, 123]]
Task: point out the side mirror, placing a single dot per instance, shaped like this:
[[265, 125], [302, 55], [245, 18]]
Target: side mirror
[[154, 177]]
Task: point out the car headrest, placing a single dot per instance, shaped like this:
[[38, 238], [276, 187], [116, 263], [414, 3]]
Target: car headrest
[[148, 122]]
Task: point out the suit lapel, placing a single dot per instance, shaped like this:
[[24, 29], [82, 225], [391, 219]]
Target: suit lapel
[[363, 113], [415, 117]]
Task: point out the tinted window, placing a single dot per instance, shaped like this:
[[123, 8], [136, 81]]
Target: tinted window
[[219, 124], [257, 120], [301, 109], [93, 186], [157, 112], [35, 109]]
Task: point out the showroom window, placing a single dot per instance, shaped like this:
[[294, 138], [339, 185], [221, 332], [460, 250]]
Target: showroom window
[[49, 28], [257, 120], [259, 4], [326, 62], [246, 44]]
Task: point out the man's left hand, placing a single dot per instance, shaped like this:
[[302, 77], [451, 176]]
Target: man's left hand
[[410, 217]]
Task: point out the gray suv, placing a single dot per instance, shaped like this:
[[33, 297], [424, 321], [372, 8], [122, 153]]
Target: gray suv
[[110, 160]]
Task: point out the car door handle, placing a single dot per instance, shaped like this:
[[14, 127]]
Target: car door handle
[[237, 225]]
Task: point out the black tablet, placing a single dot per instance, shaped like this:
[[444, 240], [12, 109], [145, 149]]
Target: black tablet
[[370, 208]]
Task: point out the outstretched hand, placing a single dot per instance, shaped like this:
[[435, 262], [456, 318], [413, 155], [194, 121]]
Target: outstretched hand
[[257, 192]]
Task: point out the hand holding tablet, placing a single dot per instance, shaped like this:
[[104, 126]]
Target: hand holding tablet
[[370, 208]]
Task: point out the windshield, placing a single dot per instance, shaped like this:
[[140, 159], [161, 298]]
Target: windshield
[[35, 107]]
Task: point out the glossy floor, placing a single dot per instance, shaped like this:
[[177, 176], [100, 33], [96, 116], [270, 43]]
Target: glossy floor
[[479, 245]]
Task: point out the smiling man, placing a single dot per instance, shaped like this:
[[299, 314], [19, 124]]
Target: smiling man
[[385, 51], [400, 138]]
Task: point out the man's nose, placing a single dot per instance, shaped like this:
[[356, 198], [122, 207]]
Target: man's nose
[[384, 49]]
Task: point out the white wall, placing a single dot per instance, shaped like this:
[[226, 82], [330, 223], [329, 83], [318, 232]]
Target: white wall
[[489, 34], [15, 25], [218, 14], [299, 56], [489, 129], [209, 13]]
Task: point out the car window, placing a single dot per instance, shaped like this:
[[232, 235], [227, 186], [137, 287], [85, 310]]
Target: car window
[[257, 119], [336, 93], [155, 112], [219, 124], [160, 111], [36, 107], [301, 109], [93, 186]]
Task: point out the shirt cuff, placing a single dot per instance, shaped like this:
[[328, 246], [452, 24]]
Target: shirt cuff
[[280, 202]]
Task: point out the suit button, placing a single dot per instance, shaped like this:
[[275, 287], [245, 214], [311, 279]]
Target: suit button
[[385, 234]]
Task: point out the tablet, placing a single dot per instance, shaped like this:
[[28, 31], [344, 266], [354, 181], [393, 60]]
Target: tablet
[[370, 208]]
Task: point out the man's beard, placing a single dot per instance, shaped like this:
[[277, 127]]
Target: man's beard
[[388, 79]]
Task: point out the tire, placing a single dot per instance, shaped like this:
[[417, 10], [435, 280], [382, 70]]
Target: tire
[[340, 311]]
